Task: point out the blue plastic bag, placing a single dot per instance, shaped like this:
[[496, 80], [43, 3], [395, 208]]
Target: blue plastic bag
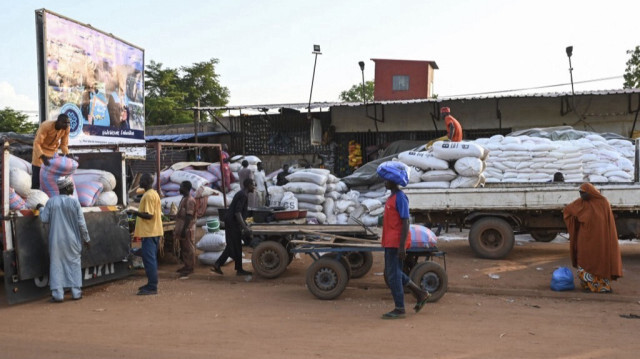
[[394, 171], [562, 279]]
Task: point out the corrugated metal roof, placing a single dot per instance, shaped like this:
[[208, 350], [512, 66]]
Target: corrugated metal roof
[[181, 136], [316, 105]]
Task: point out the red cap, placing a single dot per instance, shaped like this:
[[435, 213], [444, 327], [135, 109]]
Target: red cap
[[445, 110]]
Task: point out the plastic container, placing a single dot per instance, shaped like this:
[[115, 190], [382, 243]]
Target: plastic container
[[213, 225], [302, 213], [286, 215]]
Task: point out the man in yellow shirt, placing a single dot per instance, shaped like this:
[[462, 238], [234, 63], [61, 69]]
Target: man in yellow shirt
[[51, 135], [149, 228]]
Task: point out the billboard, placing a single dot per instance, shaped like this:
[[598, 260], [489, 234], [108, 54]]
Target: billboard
[[94, 78]]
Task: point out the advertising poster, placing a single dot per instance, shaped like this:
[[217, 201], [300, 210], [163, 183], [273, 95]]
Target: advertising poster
[[94, 78]]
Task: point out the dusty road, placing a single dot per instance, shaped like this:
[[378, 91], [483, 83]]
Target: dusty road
[[205, 316]]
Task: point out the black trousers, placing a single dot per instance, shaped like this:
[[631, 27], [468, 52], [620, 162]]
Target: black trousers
[[233, 237], [35, 177]]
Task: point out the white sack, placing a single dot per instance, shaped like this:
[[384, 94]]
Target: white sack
[[210, 258], [289, 201], [109, 198], [423, 160], [17, 162], [107, 179], [447, 150], [309, 206], [321, 217], [310, 177], [438, 175], [212, 242], [20, 180], [371, 204], [468, 166], [196, 181], [36, 197], [465, 182], [304, 187], [310, 198]]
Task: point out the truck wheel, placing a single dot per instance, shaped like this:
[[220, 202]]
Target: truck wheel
[[431, 277], [544, 236], [491, 238], [270, 259], [327, 278], [360, 263]]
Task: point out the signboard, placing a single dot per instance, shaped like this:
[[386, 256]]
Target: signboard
[[94, 78]]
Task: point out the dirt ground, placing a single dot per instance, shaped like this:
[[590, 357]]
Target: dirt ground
[[205, 316]]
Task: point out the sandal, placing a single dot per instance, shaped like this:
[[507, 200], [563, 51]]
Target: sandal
[[418, 307], [394, 314]]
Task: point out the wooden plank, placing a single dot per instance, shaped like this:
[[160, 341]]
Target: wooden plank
[[325, 244], [299, 228], [335, 236]]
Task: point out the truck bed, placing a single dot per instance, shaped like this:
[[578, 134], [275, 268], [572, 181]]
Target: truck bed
[[547, 196]]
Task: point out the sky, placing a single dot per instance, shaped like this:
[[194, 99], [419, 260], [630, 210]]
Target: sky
[[265, 47]]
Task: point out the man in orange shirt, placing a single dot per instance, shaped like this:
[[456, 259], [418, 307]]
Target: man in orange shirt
[[454, 130], [50, 136]]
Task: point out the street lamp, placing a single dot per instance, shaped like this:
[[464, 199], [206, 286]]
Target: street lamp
[[364, 97], [316, 51], [569, 50]]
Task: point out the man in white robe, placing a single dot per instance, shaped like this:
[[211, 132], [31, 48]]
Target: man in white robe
[[67, 232]]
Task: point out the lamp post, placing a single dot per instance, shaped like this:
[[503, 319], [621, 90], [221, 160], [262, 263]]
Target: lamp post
[[569, 50], [364, 97], [316, 51]]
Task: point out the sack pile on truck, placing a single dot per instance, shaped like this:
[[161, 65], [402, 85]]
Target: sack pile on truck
[[536, 159], [446, 165], [309, 186], [95, 187]]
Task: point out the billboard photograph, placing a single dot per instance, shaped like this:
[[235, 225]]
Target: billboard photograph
[[94, 78]]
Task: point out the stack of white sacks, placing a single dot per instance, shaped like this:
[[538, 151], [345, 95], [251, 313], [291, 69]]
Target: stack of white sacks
[[535, 159], [446, 165], [211, 244], [201, 182]]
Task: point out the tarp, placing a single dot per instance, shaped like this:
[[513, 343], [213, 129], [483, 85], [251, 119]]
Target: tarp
[[367, 175], [564, 133]]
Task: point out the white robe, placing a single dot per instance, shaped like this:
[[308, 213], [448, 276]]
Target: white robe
[[67, 230]]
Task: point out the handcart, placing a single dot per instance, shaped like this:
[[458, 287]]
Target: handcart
[[328, 275], [273, 254]]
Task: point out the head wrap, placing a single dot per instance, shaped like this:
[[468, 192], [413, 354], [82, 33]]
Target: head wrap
[[64, 182]]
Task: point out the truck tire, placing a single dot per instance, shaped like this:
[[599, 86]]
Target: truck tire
[[327, 278], [431, 277], [544, 236], [343, 260], [491, 238], [360, 263], [270, 259]]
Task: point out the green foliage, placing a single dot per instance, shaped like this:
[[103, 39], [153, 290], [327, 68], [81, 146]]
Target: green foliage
[[632, 72], [14, 121], [354, 94], [168, 92]]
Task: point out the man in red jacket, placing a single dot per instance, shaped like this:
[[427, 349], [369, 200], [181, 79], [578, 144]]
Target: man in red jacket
[[454, 130]]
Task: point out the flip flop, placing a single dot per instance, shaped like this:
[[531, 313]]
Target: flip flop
[[418, 307]]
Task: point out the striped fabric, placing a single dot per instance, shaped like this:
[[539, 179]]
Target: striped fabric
[[58, 166], [88, 192], [15, 201], [422, 237]]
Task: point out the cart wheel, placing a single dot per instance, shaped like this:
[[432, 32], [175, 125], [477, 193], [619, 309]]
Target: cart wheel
[[360, 263], [491, 238], [544, 236], [270, 259], [431, 277], [327, 278], [342, 260]]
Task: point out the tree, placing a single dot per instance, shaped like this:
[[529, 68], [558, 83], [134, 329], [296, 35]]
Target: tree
[[354, 94], [632, 72], [14, 121], [170, 91]]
